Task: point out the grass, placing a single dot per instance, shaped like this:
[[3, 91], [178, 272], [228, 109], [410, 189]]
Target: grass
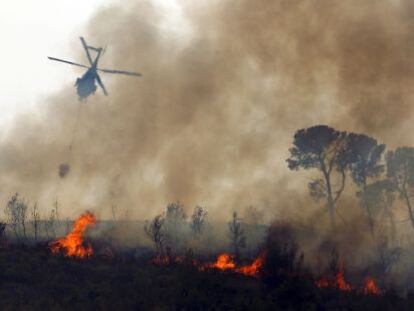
[[33, 279]]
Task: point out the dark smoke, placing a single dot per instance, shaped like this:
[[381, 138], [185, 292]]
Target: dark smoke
[[213, 117]]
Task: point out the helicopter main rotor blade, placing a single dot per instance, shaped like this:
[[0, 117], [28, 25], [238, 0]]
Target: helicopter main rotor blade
[[98, 78], [67, 62], [122, 72], [85, 46]]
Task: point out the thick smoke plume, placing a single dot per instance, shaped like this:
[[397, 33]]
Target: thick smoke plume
[[212, 119]]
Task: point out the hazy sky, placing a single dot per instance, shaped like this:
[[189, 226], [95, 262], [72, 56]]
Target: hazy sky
[[212, 120], [31, 30]]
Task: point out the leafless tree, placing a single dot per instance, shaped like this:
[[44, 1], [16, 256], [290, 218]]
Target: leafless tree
[[198, 220], [155, 231], [114, 209], [46, 227], [50, 223], [56, 212], [237, 237], [16, 212], [3, 237], [35, 221], [174, 224], [253, 219]]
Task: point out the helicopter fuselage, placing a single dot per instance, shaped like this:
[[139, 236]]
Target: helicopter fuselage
[[90, 80], [86, 84]]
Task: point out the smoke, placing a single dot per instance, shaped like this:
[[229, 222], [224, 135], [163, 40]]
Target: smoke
[[212, 118]]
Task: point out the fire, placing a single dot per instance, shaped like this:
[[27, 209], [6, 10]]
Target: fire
[[339, 281], [72, 244], [224, 262], [370, 287], [254, 268]]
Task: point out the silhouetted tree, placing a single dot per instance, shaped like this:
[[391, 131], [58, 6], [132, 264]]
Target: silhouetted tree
[[282, 252], [56, 211], [237, 237], [16, 212], [3, 236], [35, 221], [379, 197], [52, 221], [114, 209], [387, 256], [198, 220], [400, 169], [364, 154], [323, 148], [174, 223], [155, 231], [253, 219]]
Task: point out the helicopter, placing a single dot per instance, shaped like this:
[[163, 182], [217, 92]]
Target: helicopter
[[86, 85]]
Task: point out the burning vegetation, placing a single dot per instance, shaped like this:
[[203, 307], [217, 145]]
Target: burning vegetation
[[226, 262], [73, 244], [284, 253], [370, 287], [254, 268], [279, 267], [339, 282]]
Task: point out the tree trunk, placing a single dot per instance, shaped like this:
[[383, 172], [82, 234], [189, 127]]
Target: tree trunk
[[330, 201], [393, 228], [370, 220], [35, 229], [24, 228], [408, 203], [367, 209], [390, 216], [331, 210]]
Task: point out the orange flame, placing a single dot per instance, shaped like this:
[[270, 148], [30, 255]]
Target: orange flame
[[370, 287], [72, 244], [339, 281], [224, 262], [254, 268]]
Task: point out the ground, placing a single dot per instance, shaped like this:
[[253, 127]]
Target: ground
[[33, 279]]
